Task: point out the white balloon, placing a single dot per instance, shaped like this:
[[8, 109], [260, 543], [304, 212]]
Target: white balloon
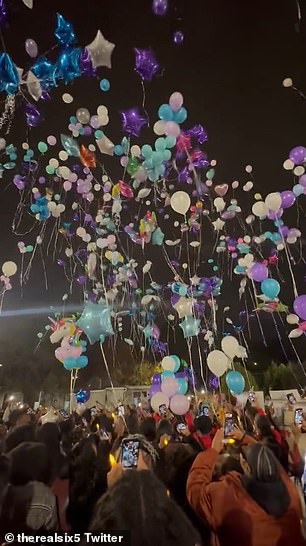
[[9, 269], [144, 192], [168, 364], [28, 3], [230, 346], [242, 352], [219, 204], [218, 362], [159, 128], [292, 319], [105, 145], [159, 399], [146, 268], [100, 51], [180, 202], [273, 201], [135, 150], [242, 398], [295, 333], [260, 209]]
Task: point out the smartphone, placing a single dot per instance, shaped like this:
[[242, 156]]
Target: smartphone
[[63, 413], [251, 396], [121, 410], [291, 398], [180, 427], [204, 410], [228, 424], [162, 410], [298, 416], [129, 453]]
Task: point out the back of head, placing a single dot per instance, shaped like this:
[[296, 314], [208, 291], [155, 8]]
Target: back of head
[[148, 429], [29, 462], [263, 426], [132, 422], [152, 518], [203, 423], [18, 435], [164, 427], [48, 434], [19, 417], [262, 463]]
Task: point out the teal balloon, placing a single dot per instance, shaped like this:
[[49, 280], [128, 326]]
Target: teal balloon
[[190, 327], [298, 190], [270, 288], [70, 145], [9, 79], [165, 113], [177, 362], [166, 374], [210, 174], [69, 363], [104, 85], [157, 237], [181, 115], [157, 158], [166, 155], [170, 141], [182, 386], [82, 361], [95, 321], [235, 382], [146, 151], [42, 147], [118, 150], [183, 290], [160, 144]]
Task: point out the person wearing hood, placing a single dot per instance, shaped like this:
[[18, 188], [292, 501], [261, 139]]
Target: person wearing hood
[[259, 508]]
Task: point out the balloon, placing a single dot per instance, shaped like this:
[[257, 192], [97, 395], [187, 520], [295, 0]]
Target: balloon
[[159, 127], [169, 364], [68, 64], [292, 319], [3, 13], [45, 72], [83, 115], [182, 386], [33, 116], [100, 51], [177, 362], [217, 362], [33, 86], [95, 321], [169, 386], [9, 269], [160, 7], [258, 272], [64, 33], [298, 155], [154, 389], [178, 37], [87, 157], [190, 326], [235, 382], [104, 85], [28, 3], [273, 201], [288, 199], [299, 306], [31, 47], [166, 374], [259, 209], [156, 379], [230, 346], [9, 78], [105, 145], [184, 307], [176, 101], [158, 400], [157, 237], [70, 145], [270, 288], [146, 64], [172, 129], [181, 115], [180, 202], [133, 121], [82, 396], [179, 404]]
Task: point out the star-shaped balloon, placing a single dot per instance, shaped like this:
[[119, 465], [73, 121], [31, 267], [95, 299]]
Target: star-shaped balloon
[[190, 326], [146, 63], [133, 121], [95, 321], [28, 3], [68, 64], [45, 72], [218, 224], [100, 51], [9, 79], [33, 86], [184, 307], [64, 33]]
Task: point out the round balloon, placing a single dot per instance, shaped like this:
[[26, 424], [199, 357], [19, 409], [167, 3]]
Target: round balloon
[[182, 386], [299, 306], [159, 399], [180, 202], [230, 346], [168, 364], [270, 288], [258, 272], [83, 115], [169, 386], [9, 269], [217, 362], [166, 374], [179, 404], [273, 201], [235, 382]]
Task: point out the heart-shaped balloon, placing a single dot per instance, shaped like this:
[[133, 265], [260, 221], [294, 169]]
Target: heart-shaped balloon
[[221, 189]]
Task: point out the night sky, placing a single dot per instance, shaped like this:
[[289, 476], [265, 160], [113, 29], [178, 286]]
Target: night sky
[[230, 70]]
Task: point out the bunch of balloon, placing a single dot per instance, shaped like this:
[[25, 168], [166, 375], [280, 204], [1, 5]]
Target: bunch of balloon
[[169, 388]]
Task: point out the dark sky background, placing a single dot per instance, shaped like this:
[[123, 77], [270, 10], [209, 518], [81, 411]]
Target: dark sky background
[[230, 70]]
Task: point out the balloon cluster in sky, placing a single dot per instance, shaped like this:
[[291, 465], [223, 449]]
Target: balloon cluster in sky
[[153, 249]]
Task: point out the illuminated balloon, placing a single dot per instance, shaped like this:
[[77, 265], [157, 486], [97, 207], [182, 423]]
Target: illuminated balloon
[[217, 362], [179, 404], [159, 399], [298, 155], [260, 209], [70, 145], [182, 386], [160, 7], [170, 363], [190, 326], [82, 396], [288, 199], [180, 202], [292, 319], [235, 382], [258, 272], [176, 101]]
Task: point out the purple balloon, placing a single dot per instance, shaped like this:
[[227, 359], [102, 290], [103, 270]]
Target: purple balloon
[[288, 199], [86, 65], [302, 180], [19, 182], [153, 390], [298, 155], [160, 7], [178, 37], [181, 375], [274, 214], [3, 13], [259, 272], [146, 64], [299, 306], [156, 379], [33, 116], [133, 122], [283, 231]]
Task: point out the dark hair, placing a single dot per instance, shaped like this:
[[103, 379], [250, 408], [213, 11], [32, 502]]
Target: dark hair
[[48, 434], [164, 427], [230, 464], [25, 433], [15, 415], [281, 451], [264, 426], [29, 462], [132, 423], [5, 468], [148, 429], [203, 423], [152, 518]]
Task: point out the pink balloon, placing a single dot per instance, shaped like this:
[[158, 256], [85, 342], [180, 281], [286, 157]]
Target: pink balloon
[[179, 404], [221, 189], [176, 101], [169, 386], [172, 129]]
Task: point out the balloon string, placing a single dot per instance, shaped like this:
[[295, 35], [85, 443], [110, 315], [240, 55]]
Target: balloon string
[[256, 312], [111, 381], [290, 267], [201, 363], [189, 343], [299, 16], [144, 102]]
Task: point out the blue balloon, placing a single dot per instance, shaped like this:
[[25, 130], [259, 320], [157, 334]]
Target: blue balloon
[[165, 113], [298, 190], [68, 64], [270, 288], [82, 361], [166, 155], [45, 72], [157, 237], [64, 33], [166, 374], [181, 115], [170, 141], [235, 382], [104, 85], [146, 151], [82, 396], [177, 362], [70, 363], [95, 321], [71, 146], [182, 386], [118, 150], [9, 79]]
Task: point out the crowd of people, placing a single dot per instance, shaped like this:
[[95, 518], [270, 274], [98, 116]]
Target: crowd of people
[[215, 476]]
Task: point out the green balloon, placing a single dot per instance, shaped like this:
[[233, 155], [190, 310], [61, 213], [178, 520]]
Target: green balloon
[[132, 165], [42, 147]]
